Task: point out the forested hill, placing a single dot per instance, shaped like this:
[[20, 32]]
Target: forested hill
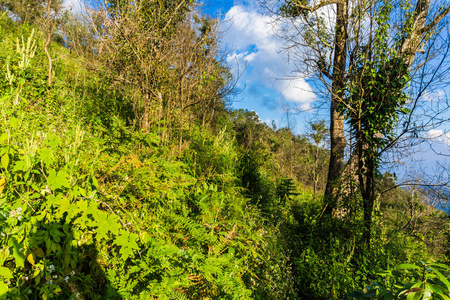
[[125, 175]]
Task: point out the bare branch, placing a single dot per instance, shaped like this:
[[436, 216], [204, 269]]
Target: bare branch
[[318, 6]]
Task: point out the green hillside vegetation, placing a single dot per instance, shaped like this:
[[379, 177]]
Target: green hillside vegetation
[[126, 175]]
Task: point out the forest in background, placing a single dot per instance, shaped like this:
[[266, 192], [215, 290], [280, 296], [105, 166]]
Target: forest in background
[[125, 174]]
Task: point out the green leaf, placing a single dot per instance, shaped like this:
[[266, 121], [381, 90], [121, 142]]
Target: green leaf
[[443, 279], [407, 267], [5, 161], [17, 253], [94, 182], [3, 289], [5, 273], [405, 110], [127, 242], [442, 266], [14, 122], [435, 288], [3, 137], [415, 295], [57, 181], [445, 297], [134, 269], [145, 238], [39, 252], [4, 254], [46, 155], [20, 165], [57, 290]]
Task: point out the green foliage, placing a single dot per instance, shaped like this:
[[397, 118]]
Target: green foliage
[[212, 158], [94, 206], [258, 185], [294, 8], [50, 207], [326, 264], [408, 210], [28, 11], [285, 189], [410, 281], [21, 78], [249, 129], [380, 101]]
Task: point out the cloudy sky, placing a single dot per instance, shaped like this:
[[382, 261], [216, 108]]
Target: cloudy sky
[[268, 80]]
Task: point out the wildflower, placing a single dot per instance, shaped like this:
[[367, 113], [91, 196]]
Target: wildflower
[[66, 279], [51, 268], [16, 213], [30, 291]]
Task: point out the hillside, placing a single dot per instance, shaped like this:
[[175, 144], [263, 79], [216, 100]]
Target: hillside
[[125, 175]]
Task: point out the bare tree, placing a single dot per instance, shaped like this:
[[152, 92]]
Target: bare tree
[[50, 21], [317, 132], [162, 56]]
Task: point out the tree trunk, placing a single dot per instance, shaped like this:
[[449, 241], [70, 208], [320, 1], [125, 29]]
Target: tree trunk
[[366, 178], [180, 142], [368, 201], [337, 134]]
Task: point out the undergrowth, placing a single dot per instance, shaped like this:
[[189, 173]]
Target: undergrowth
[[93, 208]]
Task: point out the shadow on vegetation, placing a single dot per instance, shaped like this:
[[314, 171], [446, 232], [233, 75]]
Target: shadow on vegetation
[[67, 271]]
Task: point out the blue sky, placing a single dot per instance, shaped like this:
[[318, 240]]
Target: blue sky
[[270, 87]]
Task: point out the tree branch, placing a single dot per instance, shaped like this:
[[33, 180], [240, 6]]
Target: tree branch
[[435, 20], [318, 6]]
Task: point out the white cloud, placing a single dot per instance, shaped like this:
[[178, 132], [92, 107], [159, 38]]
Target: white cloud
[[251, 34], [434, 96], [270, 122], [439, 136], [74, 6], [297, 90]]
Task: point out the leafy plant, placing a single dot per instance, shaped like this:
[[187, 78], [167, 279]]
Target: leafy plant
[[410, 281]]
